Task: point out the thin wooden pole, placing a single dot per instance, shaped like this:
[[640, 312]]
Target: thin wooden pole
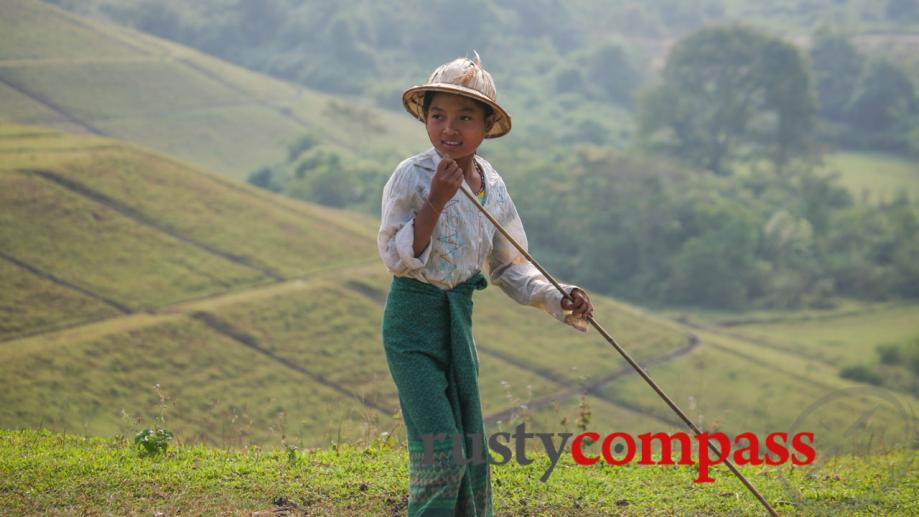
[[641, 371]]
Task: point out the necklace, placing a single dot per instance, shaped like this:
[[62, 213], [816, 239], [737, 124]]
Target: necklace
[[481, 193]]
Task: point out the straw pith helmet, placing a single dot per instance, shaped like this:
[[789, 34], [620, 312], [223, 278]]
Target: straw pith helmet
[[465, 77]]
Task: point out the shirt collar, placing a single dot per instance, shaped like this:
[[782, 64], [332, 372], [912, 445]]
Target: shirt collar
[[431, 158]]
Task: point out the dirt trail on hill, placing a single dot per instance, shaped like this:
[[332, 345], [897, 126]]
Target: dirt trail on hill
[[140, 218], [591, 386], [197, 303], [251, 342], [60, 281], [197, 309], [790, 348], [51, 105], [594, 385]]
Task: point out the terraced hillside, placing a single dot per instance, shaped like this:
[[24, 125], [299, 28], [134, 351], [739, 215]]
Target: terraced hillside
[[131, 270], [140, 287], [62, 71]]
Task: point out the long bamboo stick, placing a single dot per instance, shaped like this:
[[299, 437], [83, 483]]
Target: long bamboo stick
[[644, 375]]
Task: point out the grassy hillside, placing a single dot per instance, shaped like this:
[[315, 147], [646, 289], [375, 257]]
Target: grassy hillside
[[51, 474], [78, 74], [249, 310], [143, 289], [66, 72], [839, 338]]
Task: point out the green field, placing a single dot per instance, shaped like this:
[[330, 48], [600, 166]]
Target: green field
[[875, 178], [63, 71], [840, 339], [42, 473], [31, 302], [240, 304], [870, 178], [139, 289], [254, 312]]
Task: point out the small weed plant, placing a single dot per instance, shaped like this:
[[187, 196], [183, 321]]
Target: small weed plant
[[154, 441]]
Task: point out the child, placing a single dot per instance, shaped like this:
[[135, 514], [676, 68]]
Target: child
[[435, 242]]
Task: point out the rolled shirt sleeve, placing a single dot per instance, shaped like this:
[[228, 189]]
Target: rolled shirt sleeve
[[396, 238], [517, 277]]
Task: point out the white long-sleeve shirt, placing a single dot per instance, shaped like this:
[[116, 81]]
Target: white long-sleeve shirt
[[463, 239]]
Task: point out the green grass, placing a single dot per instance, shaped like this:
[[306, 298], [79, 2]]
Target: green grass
[[333, 330], [121, 222], [16, 106], [870, 177], [873, 177], [63, 37], [737, 385], [321, 319], [94, 247], [585, 356], [24, 146], [163, 87], [306, 345], [136, 258], [29, 303], [218, 391], [55, 474], [254, 225], [843, 339], [210, 137], [190, 105]]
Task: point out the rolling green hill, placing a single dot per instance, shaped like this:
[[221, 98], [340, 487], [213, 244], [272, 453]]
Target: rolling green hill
[[138, 287], [77, 74], [66, 72], [258, 316], [131, 270], [143, 288]]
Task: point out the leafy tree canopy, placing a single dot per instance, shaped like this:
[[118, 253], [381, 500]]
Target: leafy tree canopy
[[728, 94]]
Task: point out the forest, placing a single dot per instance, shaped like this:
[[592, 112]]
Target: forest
[[673, 153]]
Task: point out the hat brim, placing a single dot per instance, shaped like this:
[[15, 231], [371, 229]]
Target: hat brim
[[413, 100]]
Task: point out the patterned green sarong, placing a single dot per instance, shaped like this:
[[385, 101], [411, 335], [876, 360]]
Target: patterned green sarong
[[427, 334]]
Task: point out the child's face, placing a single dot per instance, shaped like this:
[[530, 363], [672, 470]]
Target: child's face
[[456, 124]]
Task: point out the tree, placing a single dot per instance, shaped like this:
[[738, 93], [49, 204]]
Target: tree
[[902, 10], [731, 93], [300, 145], [882, 106], [836, 64], [263, 178], [259, 20], [159, 19], [611, 70]]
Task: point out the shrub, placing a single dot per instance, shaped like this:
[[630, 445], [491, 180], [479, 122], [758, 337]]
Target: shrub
[[860, 373], [298, 146], [265, 178], [153, 441], [890, 354]]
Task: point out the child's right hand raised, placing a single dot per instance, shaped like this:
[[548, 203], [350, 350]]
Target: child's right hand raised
[[446, 181]]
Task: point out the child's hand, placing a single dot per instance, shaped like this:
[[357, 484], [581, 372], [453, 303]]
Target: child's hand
[[581, 305], [446, 181]]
